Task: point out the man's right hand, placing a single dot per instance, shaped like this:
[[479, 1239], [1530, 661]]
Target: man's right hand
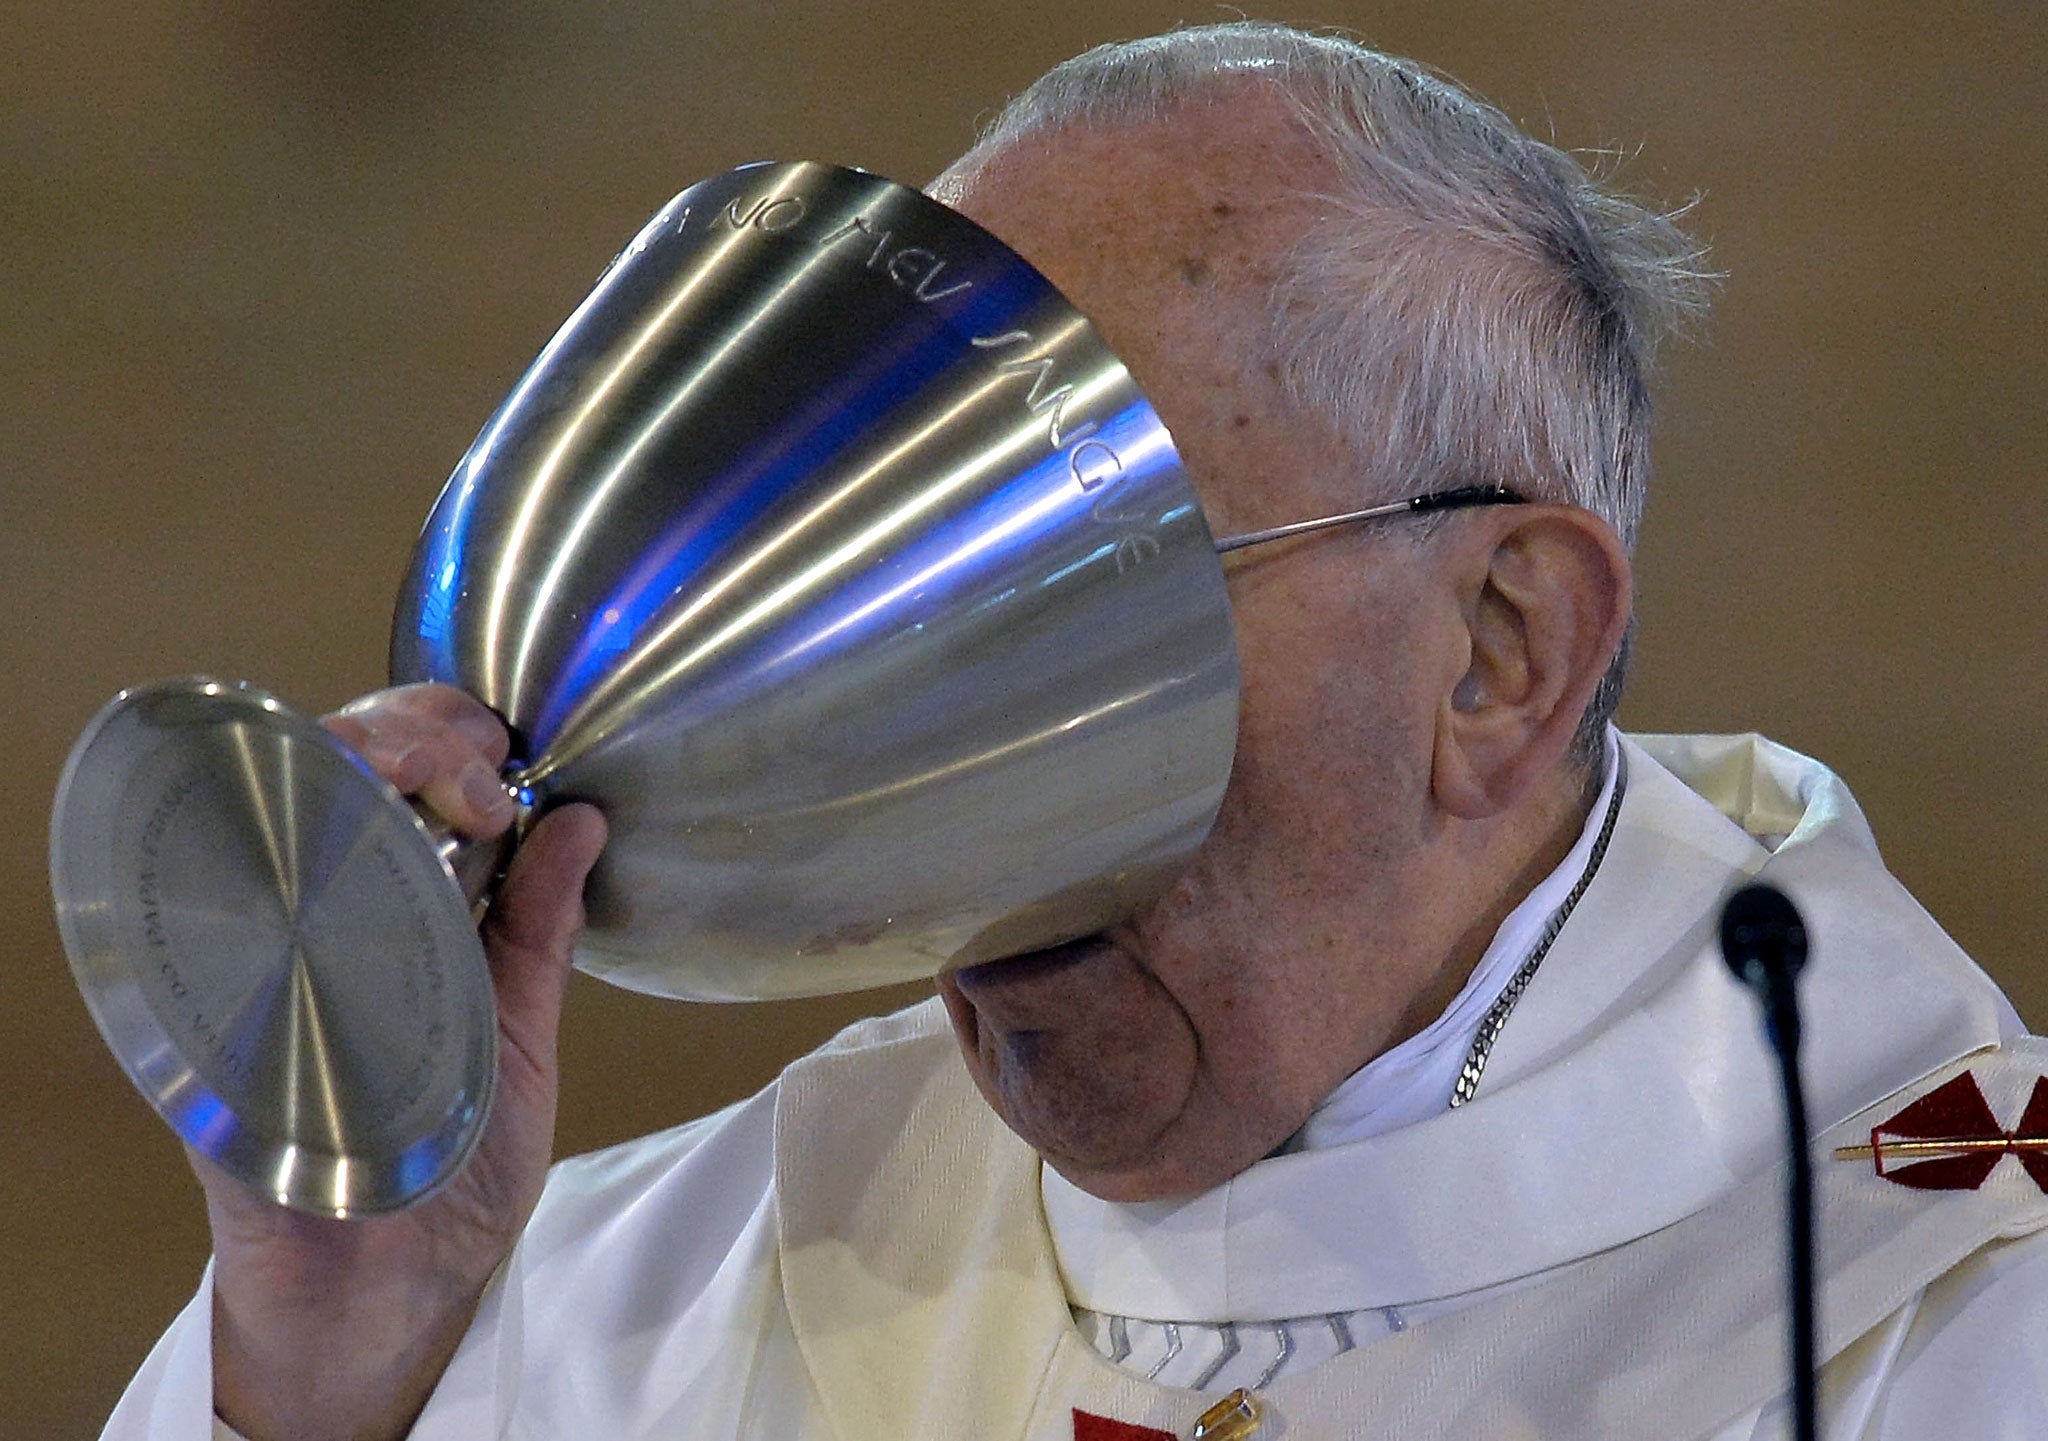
[[333, 1329]]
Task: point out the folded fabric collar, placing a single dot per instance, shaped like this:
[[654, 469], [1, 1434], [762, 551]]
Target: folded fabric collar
[[1402, 1085], [1630, 1090]]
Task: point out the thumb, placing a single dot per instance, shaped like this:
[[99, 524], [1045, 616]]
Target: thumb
[[533, 922]]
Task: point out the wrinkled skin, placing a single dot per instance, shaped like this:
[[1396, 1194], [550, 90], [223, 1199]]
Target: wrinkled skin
[[1316, 927]]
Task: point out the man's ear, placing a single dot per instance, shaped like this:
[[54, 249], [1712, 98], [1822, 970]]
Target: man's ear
[[1543, 593]]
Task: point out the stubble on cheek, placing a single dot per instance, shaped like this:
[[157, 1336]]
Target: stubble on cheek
[[1093, 1066]]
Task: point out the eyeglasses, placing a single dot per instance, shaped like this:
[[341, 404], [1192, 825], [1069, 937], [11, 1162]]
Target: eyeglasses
[[1458, 499]]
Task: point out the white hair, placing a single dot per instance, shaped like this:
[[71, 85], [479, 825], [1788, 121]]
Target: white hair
[[1470, 307]]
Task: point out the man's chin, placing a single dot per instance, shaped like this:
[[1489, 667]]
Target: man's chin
[[1085, 1056]]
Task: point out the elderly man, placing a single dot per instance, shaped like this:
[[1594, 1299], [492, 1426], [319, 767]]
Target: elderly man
[[1420, 1105]]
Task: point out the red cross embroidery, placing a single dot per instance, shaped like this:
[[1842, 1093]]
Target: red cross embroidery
[[1090, 1427], [1949, 1140]]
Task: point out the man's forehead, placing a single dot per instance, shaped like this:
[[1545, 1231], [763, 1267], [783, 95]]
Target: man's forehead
[[1215, 187], [1168, 233]]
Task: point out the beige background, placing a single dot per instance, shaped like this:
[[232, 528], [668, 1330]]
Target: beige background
[[267, 266]]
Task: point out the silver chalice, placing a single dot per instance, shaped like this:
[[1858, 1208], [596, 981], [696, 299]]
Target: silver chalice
[[825, 548]]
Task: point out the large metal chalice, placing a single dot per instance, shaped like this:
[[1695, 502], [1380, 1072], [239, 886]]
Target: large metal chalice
[[828, 550]]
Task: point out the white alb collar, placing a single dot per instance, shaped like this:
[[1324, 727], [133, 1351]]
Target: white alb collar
[[1623, 1096], [1414, 1079]]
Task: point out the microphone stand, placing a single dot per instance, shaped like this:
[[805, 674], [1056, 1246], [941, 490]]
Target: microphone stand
[[1764, 943]]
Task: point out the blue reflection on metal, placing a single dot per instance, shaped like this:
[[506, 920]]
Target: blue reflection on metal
[[446, 552], [804, 447], [999, 301], [444, 564], [712, 512], [422, 1162], [943, 569], [1101, 552], [202, 1118]]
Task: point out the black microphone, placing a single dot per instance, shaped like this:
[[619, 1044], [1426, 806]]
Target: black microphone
[[1764, 943], [1763, 939]]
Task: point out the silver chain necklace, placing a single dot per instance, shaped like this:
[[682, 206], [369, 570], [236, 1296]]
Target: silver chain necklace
[[1496, 1017]]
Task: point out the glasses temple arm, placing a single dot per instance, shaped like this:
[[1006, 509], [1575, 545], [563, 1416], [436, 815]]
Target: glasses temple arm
[[1415, 505]]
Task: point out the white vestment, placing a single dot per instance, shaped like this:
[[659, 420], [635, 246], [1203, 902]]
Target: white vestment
[[1590, 1248]]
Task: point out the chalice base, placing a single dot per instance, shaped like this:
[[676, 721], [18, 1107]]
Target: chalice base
[[274, 946]]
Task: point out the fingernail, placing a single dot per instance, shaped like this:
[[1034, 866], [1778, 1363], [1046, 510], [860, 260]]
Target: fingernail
[[486, 794]]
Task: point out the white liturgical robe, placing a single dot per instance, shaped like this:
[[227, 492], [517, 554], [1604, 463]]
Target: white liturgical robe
[[1591, 1247]]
